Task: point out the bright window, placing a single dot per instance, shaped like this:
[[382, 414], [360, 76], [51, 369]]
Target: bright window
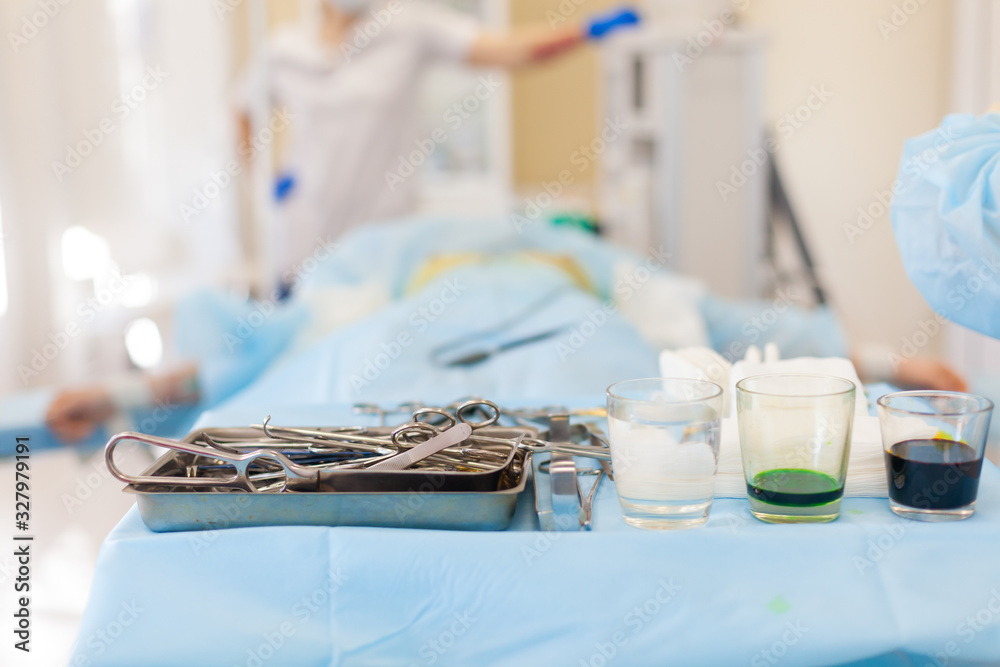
[[84, 254], [144, 343]]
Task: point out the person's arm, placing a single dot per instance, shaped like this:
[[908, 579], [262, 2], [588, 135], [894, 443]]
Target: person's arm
[[523, 46], [922, 373], [883, 363], [531, 44], [75, 414], [243, 129]]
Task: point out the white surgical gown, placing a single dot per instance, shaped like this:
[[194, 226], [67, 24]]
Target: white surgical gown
[[946, 219], [353, 117]]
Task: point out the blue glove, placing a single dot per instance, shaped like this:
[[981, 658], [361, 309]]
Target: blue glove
[[283, 186], [599, 27]]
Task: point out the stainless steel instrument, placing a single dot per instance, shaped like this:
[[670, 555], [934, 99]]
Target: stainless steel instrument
[[453, 467]]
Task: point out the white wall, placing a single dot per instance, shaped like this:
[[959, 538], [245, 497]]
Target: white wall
[[39, 90], [885, 88], [61, 84]]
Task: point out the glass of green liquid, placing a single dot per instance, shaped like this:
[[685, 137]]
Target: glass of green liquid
[[795, 438]]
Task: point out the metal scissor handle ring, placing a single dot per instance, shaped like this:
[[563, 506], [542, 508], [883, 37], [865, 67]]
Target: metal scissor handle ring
[[402, 436], [445, 418], [241, 463], [484, 406]]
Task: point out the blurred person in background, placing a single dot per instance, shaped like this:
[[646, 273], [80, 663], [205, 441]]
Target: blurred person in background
[[350, 85]]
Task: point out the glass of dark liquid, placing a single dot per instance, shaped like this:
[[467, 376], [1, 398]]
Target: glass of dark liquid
[[934, 443]]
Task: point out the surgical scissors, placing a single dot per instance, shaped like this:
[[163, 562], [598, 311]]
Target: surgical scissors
[[241, 463], [598, 450], [300, 477], [283, 457], [438, 417]]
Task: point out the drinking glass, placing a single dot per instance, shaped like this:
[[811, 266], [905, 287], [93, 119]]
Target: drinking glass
[[664, 449], [934, 443], [795, 438]]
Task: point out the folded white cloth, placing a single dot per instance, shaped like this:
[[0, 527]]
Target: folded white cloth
[[866, 466], [699, 363], [865, 469], [836, 366]]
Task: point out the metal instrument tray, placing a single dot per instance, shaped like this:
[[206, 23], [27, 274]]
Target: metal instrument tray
[[405, 499]]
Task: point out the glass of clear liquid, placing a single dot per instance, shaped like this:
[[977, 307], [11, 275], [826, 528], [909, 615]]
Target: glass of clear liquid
[[664, 449]]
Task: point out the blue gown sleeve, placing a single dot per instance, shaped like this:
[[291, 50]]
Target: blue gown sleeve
[[945, 219], [233, 342]]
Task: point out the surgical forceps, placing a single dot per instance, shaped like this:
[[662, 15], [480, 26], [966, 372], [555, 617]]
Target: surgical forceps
[[240, 462], [297, 476], [598, 449], [448, 354], [265, 452]]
